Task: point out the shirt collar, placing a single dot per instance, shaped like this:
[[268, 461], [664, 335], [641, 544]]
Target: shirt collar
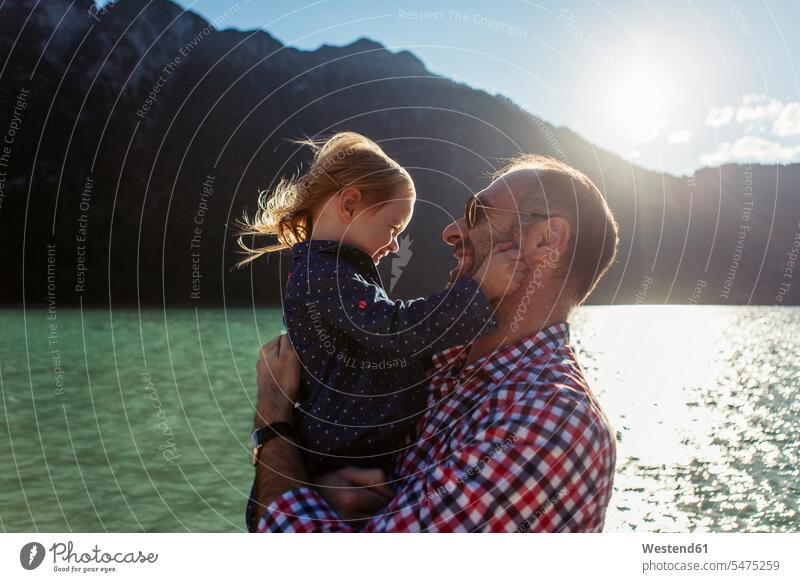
[[497, 365]]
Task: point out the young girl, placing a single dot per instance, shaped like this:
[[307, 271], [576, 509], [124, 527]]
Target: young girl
[[363, 354]]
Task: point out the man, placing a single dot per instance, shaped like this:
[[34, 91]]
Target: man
[[513, 438]]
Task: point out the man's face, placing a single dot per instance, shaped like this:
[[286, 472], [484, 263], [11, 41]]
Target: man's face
[[472, 246]]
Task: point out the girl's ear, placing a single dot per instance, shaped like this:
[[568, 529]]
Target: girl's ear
[[348, 204]]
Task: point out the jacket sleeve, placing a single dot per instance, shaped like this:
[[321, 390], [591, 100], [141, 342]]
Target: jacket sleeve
[[348, 302]]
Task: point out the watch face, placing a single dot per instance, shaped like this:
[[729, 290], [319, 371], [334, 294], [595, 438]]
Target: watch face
[[254, 438]]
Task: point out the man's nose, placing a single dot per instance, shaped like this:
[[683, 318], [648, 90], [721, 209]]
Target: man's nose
[[394, 246], [454, 232]]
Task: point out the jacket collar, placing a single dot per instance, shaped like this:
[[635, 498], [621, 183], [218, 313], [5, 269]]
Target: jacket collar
[[307, 250]]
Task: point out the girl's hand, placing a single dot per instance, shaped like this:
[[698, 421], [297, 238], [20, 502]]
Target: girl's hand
[[355, 493], [502, 272]]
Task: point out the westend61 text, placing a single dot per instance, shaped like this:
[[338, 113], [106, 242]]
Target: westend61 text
[[673, 549]]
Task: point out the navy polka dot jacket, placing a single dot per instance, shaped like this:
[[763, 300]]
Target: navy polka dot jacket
[[363, 355]]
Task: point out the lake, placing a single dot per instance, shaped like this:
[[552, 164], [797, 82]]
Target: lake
[[138, 420]]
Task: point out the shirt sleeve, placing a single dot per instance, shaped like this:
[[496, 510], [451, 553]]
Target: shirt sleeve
[[348, 302], [540, 471]]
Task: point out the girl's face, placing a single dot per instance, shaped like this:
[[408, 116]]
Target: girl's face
[[375, 229]]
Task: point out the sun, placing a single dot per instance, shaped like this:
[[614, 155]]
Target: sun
[[639, 105]]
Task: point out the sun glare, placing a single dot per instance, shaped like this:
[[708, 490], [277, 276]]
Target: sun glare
[[639, 106]]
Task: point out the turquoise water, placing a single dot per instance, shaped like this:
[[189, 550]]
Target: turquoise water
[[138, 421]]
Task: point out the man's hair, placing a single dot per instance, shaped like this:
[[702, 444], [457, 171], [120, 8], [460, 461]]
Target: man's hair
[[564, 191]]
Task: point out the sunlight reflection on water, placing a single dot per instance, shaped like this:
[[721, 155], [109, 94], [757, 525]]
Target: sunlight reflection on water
[[704, 401]]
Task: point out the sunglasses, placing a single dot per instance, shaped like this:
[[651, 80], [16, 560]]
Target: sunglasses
[[472, 206]]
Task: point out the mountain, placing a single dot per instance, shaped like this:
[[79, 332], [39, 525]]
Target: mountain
[[139, 133]]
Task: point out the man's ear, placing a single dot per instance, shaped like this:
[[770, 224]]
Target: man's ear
[[348, 204], [549, 238]]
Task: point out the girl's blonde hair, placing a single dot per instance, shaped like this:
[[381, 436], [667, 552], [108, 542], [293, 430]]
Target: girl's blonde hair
[[346, 159]]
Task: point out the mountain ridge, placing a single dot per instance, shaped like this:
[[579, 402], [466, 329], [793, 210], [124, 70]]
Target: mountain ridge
[[227, 108]]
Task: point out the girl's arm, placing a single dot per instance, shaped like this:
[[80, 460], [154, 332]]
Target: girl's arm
[[348, 302]]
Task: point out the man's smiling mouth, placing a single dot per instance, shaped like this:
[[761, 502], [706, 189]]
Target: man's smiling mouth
[[464, 259]]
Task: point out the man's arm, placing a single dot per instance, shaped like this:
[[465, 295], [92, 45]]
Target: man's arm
[[356, 493], [547, 467], [279, 467]]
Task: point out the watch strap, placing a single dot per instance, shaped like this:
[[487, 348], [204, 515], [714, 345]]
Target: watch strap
[[270, 431], [261, 436]]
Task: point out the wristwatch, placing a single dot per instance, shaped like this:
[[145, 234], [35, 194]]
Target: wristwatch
[[262, 435]]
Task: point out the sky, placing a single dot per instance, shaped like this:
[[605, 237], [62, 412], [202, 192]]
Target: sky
[[672, 86]]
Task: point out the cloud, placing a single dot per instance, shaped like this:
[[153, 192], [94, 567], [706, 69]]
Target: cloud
[[788, 121], [757, 115], [750, 147], [680, 136], [718, 116], [752, 98], [759, 112], [755, 112]]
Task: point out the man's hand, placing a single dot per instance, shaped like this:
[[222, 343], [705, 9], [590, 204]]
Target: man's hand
[[278, 378], [354, 493]]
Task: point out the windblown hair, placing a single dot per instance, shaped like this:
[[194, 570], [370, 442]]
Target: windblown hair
[[344, 160], [562, 190]]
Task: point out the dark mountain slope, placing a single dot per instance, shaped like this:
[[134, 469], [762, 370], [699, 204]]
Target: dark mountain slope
[[146, 131]]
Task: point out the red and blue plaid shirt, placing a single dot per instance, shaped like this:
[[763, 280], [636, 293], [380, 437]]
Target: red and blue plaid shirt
[[515, 441]]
